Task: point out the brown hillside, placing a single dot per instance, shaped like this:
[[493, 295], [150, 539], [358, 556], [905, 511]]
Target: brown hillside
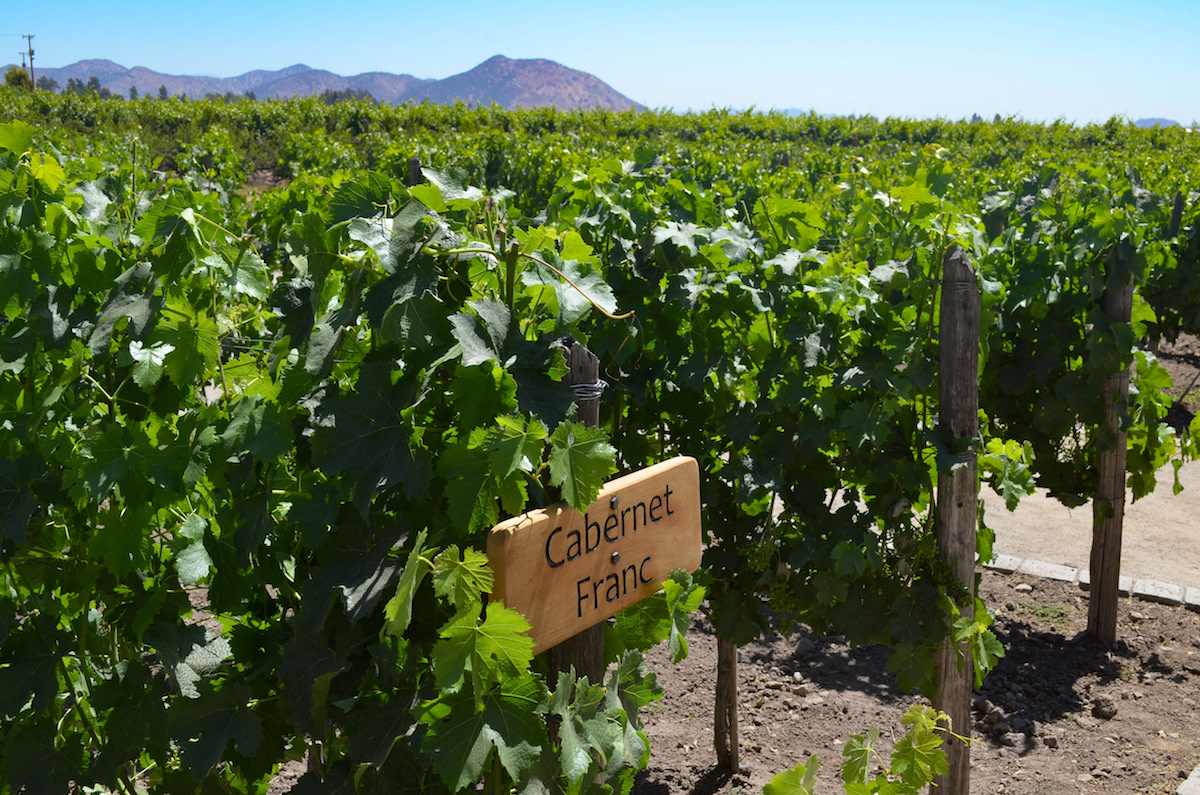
[[507, 82], [527, 83]]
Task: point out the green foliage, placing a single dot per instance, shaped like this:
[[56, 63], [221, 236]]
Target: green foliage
[[800, 780], [292, 415], [17, 77], [580, 460], [917, 758], [225, 414]]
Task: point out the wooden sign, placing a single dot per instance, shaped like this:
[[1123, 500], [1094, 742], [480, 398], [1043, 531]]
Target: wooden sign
[[567, 571]]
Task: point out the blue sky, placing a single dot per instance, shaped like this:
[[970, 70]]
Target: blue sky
[[1041, 61]]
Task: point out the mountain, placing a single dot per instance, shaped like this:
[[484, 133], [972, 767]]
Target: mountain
[[1156, 123], [510, 83], [525, 83]]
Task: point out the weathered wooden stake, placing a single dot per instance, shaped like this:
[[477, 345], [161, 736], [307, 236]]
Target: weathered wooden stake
[[414, 171], [1108, 504], [725, 716], [585, 651], [1176, 215], [957, 498]]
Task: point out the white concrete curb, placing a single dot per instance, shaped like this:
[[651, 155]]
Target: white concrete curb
[[1147, 590]]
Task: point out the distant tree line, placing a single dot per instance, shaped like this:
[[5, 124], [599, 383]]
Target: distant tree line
[[228, 96], [19, 78], [331, 97]]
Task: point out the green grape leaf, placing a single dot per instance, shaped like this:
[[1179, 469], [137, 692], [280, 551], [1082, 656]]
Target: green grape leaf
[[800, 780], [986, 652], [463, 735], [412, 227], [323, 342], [463, 579], [363, 436], [683, 597], [913, 195], [786, 261], [858, 756], [364, 196], [418, 323], [376, 234], [487, 335], [574, 702], [139, 711], [245, 275], [913, 667], [17, 137], [246, 376], [627, 748], [681, 235], [798, 223], [256, 427], [40, 760], [361, 571], [17, 505], [201, 662], [192, 562], [292, 303], [133, 296], [31, 675], [450, 186], [148, 362], [482, 393], [514, 494], [127, 456], [633, 683], [541, 391], [918, 756], [206, 725], [580, 460], [514, 445], [489, 650], [16, 280], [380, 731], [737, 242], [192, 335], [429, 196], [123, 538], [308, 661], [576, 290], [398, 611], [471, 490], [1006, 464]]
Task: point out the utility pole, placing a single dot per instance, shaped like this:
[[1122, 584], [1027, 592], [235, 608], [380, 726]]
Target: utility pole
[[29, 43]]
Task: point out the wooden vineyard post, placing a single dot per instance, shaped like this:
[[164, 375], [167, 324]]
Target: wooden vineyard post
[[725, 715], [958, 497], [414, 171], [585, 651], [1108, 504]]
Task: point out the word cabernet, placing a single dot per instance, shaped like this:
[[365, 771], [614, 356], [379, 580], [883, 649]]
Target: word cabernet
[[588, 541], [566, 570]]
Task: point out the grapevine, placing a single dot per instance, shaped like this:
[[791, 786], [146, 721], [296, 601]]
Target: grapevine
[[253, 442]]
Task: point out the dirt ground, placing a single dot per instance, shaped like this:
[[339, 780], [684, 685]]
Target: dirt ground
[[1039, 717]]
